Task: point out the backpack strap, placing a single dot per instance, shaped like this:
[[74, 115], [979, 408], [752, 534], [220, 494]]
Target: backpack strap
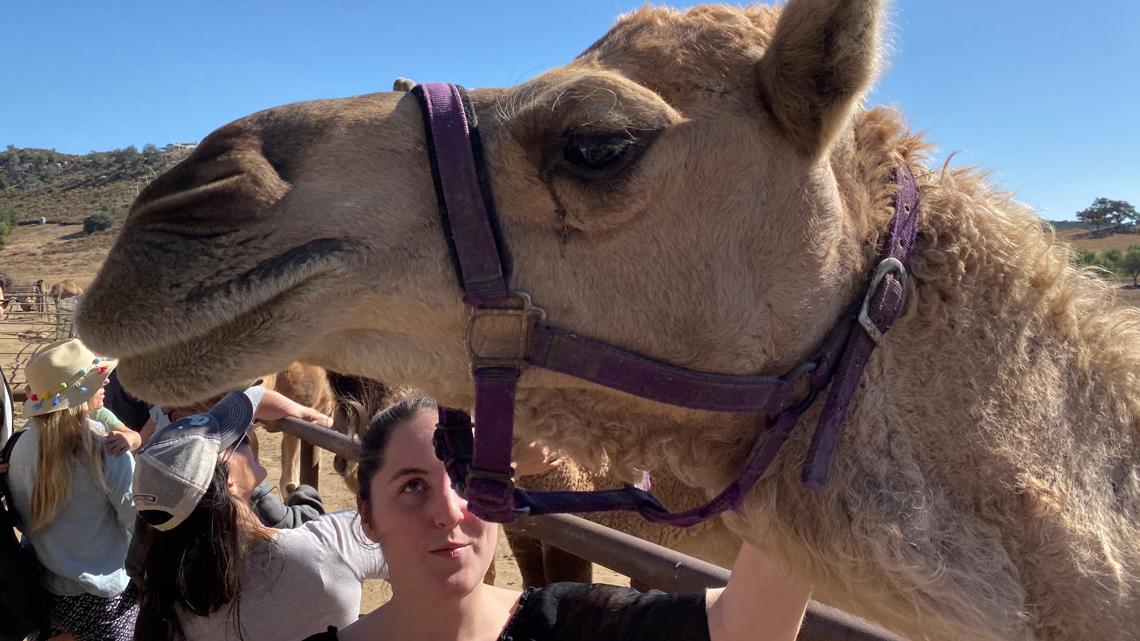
[[9, 512]]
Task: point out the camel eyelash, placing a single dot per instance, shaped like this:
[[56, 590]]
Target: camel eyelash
[[593, 156]]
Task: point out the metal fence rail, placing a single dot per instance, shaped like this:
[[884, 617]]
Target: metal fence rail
[[647, 562]]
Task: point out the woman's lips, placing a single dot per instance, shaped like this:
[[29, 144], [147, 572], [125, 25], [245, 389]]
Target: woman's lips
[[451, 550]]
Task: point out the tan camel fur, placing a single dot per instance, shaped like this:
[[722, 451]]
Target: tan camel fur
[[309, 386], [704, 187], [65, 289]]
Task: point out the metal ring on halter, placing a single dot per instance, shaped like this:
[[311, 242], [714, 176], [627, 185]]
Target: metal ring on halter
[[886, 266], [499, 336]]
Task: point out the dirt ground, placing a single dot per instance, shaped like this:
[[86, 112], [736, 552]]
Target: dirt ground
[[54, 253], [51, 253], [337, 497]]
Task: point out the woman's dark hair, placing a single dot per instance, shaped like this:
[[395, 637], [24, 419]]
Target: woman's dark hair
[[375, 440], [196, 567]]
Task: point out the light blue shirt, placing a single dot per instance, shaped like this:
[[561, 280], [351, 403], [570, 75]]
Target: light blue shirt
[[84, 547]]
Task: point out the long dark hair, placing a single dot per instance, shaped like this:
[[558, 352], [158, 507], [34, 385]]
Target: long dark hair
[[198, 566]]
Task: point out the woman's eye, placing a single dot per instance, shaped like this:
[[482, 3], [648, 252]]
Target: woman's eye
[[596, 152], [413, 486]]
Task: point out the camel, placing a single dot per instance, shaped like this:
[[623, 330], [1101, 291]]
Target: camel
[[707, 188], [65, 289], [308, 385]]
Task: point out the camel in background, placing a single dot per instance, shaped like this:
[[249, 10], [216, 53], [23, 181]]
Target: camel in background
[[64, 289]]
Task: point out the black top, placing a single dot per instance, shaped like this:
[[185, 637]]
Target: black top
[[576, 611], [130, 410]]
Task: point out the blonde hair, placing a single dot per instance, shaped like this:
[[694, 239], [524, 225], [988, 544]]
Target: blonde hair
[[63, 436]]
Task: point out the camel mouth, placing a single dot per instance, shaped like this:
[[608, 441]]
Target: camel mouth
[[279, 269], [214, 334], [205, 308], [224, 355]]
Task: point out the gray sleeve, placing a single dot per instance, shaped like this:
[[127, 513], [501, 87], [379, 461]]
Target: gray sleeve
[[341, 532], [119, 472], [304, 506]]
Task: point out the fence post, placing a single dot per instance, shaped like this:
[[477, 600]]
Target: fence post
[[310, 465]]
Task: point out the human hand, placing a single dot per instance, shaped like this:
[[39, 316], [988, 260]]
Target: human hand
[[3, 468], [118, 443], [311, 415]]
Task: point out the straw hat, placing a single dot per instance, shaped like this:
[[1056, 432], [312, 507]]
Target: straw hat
[[64, 374]]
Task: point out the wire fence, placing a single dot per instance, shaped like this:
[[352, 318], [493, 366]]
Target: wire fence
[[31, 319]]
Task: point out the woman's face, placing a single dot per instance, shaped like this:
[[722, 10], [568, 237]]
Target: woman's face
[[96, 400], [245, 470], [433, 545]]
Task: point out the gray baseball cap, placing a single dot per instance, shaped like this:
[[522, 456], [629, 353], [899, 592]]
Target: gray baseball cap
[[174, 469]]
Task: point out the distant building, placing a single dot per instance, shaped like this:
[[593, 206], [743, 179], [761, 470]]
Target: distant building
[[180, 146]]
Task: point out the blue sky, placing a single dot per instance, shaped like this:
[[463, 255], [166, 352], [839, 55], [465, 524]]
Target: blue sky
[[1045, 93]]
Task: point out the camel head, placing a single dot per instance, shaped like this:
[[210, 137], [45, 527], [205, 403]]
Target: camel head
[[677, 189]]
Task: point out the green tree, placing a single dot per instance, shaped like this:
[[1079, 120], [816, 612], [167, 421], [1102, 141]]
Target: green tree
[[98, 222], [12, 159], [1112, 259], [1085, 257], [7, 222], [1130, 264], [1105, 211]]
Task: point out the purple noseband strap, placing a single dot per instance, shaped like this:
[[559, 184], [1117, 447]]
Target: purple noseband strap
[[507, 333]]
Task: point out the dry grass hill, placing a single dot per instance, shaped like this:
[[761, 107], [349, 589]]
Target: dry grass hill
[[65, 190], [1085, 238]]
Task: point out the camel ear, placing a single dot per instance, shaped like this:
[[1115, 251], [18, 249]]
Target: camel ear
[[822, 58]]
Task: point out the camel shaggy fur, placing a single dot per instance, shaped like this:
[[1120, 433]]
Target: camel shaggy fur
[[707, 188]]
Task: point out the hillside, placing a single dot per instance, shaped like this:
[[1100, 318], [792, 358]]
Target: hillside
[[38, 183], [1085, 238], [64, 189]]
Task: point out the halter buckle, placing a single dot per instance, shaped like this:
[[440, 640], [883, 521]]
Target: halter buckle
[[886, 266], [499, 335], [477, 473]]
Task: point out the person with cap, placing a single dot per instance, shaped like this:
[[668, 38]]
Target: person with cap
[[73, 498], [212, 570], [303, 505]]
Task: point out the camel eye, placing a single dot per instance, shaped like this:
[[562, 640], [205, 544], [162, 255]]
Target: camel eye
[[596, 153]]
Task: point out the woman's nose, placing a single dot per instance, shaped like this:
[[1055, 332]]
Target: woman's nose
[[450, 509]]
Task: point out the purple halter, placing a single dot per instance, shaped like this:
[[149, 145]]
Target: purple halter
[[507, 333]]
